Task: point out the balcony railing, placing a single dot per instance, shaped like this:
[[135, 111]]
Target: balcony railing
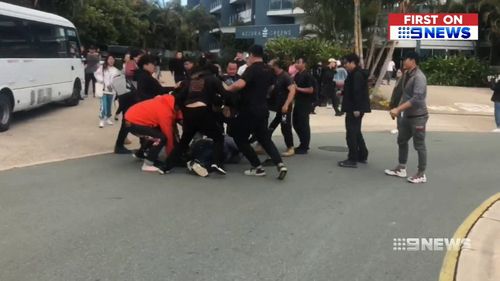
[[241, 17], [215, 5], [282, 5]]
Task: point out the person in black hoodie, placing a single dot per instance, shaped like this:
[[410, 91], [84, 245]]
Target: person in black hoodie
[[197, 99], [147, 86], [355, 104]]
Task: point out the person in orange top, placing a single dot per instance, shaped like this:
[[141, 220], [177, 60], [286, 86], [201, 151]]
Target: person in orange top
[[153, 121]]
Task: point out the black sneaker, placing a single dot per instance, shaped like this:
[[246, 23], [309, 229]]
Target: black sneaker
[[363, 161], [218, 169], [122, 150], [256, 172], [300, 150], [139, 154], [282, 170], [339, 113], [348, 164]]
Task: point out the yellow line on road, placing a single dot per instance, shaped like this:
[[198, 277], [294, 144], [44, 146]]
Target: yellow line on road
[[450, 262]]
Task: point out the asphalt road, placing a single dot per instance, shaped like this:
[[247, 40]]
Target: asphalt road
[[99, 218]]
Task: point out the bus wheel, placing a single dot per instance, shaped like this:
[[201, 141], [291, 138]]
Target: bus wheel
[[75, 97], [5, 112]]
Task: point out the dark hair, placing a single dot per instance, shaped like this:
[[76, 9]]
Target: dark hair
[[146, 59], [256, 51], [106, 65], [304, 60], [279, 63], [412, 56], [232, 62], [352, 58], [135, 53]]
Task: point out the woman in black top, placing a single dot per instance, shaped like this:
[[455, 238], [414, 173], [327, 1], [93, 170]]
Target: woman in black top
[[147, 86]]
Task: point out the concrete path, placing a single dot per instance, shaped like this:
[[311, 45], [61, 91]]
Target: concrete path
[[56, 132], [100, 218]]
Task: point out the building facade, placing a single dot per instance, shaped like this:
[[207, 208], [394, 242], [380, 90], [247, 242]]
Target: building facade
[[257, 20]]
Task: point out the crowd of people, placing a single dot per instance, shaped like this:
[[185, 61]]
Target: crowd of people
[[211, 117]]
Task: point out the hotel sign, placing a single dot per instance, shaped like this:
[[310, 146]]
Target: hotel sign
[[268, 31]]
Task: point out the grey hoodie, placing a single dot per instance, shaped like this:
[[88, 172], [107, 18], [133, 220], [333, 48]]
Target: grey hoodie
[[415, 92]]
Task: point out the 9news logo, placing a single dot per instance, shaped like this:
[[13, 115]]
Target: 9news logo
[[433, 27]]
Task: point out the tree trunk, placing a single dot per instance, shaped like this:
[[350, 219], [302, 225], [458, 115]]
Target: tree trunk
[[377, 60], [356, 37], [383, 71]]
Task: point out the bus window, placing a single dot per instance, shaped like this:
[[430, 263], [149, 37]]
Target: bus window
[[14, 39], [50, 40], [73, 43]]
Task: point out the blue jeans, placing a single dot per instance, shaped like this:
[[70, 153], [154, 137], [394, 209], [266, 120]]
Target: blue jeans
[[497, 113], [106, 102]]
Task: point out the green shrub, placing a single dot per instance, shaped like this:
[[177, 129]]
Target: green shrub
[[456, 71], [314, 50]]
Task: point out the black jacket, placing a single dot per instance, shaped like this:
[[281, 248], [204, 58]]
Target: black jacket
[[356, 96], [148, 87], [496, 92]]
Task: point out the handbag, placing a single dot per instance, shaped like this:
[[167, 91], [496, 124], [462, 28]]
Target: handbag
[[99, 89]]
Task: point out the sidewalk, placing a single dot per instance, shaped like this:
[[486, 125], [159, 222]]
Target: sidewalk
[[453, 100], [480, 259]]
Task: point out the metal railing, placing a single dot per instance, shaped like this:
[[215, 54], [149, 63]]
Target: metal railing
[[282, 5], [215, 4]]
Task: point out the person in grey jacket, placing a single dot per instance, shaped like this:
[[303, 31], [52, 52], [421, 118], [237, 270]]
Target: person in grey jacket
[[412, 118]]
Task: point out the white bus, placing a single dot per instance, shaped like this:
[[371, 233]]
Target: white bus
[[40, 61]]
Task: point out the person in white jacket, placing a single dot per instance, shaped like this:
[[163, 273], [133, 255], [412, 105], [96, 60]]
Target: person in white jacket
[[105, 75]]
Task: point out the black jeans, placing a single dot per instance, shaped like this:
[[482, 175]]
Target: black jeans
[[199, 120], [254, 123], [154, 146], [88, 78], [301, 122], [354, 137], [126, 101], [286, 127]]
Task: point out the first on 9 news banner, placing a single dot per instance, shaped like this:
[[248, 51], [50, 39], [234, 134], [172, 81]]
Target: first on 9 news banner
[[463, 27]]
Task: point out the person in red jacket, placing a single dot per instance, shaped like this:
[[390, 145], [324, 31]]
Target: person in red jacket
[[153, 121]]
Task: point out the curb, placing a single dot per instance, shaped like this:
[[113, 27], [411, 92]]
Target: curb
[[450, 262], [56, 160]]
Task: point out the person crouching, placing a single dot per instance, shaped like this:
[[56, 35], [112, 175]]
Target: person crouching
[[153, 121]]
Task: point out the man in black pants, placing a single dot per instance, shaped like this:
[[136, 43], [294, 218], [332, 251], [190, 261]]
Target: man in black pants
[[355, 104], [253, 115], [197, 98], [282, 96], [304, 99], [153, 121]]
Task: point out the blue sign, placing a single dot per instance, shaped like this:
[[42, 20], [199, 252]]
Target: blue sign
[[268, 31]]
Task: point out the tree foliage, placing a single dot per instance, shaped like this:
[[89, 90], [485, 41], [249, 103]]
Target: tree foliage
[[313, 50], [141, 23]]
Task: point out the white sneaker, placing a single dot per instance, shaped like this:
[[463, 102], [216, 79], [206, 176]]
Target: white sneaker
[[101, 124], [415, 179], [394, 131], [151, 169], [396, 172], [197, 168], [497, 130], [109, 122]]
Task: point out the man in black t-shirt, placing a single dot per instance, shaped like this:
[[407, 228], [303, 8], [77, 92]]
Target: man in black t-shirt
[[282, 97], [304, 99], [253, 113]]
